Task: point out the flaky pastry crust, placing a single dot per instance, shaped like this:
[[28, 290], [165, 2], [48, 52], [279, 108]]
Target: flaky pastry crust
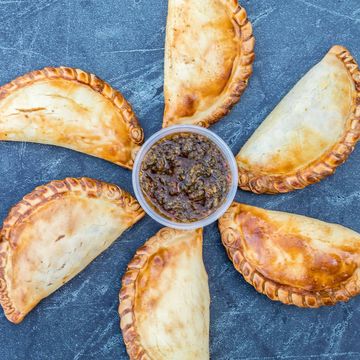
[[253, 179], [280, 256], [184, 105], [20, 218], [149, 262], [105, 139]]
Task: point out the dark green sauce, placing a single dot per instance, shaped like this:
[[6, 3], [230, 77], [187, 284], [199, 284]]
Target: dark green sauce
[[185, 177]]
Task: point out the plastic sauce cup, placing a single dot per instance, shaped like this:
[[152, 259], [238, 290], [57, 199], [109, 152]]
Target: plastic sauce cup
[[228, 155]]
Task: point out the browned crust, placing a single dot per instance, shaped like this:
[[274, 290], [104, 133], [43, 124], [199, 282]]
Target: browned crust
[[135, 131], [231, 238], [35, 200], [324, 166], [243, 64], [128, 292]]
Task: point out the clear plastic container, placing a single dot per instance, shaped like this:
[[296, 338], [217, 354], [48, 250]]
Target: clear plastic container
[[227, 154]]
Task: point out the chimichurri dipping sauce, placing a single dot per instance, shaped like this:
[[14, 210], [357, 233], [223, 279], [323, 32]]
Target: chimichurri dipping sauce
[[185, 177]]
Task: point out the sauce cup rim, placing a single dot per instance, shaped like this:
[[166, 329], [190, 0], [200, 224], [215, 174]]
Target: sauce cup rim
[[226, 151]]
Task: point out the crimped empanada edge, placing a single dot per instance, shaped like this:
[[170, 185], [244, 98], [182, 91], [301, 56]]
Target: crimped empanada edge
[[128, 291], [33, 201], [243, 69], [135, 131], [326, 164], [231, 239]]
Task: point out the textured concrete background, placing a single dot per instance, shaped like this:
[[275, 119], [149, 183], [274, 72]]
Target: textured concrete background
[[122, 41]]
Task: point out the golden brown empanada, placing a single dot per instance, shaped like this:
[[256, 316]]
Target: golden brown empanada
[[310, 133], [164, 300], [70, 108], [54, 233], [291, 258], [209, 53]]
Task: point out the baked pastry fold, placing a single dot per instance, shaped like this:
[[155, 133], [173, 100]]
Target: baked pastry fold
[[73, 109], [164, 300], [291, 258], [311, 131], [209, 53], [54, 233]]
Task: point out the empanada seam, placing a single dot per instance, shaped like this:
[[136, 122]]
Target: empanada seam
[[242, 67], [37, 198], [326, 165], [226, 223], [134, 129]]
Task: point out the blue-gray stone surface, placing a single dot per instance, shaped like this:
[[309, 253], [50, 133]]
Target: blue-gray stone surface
[[122, 41]]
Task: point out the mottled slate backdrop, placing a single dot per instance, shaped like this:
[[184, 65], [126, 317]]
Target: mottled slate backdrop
[[122, 41]]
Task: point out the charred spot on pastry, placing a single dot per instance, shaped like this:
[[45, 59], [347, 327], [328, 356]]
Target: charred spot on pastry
[[59, 238]]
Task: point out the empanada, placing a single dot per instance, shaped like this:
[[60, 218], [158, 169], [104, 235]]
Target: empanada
[[54, 233], [164, 300], [70, 108], [209, 53], [291, 258], [310, 133]]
